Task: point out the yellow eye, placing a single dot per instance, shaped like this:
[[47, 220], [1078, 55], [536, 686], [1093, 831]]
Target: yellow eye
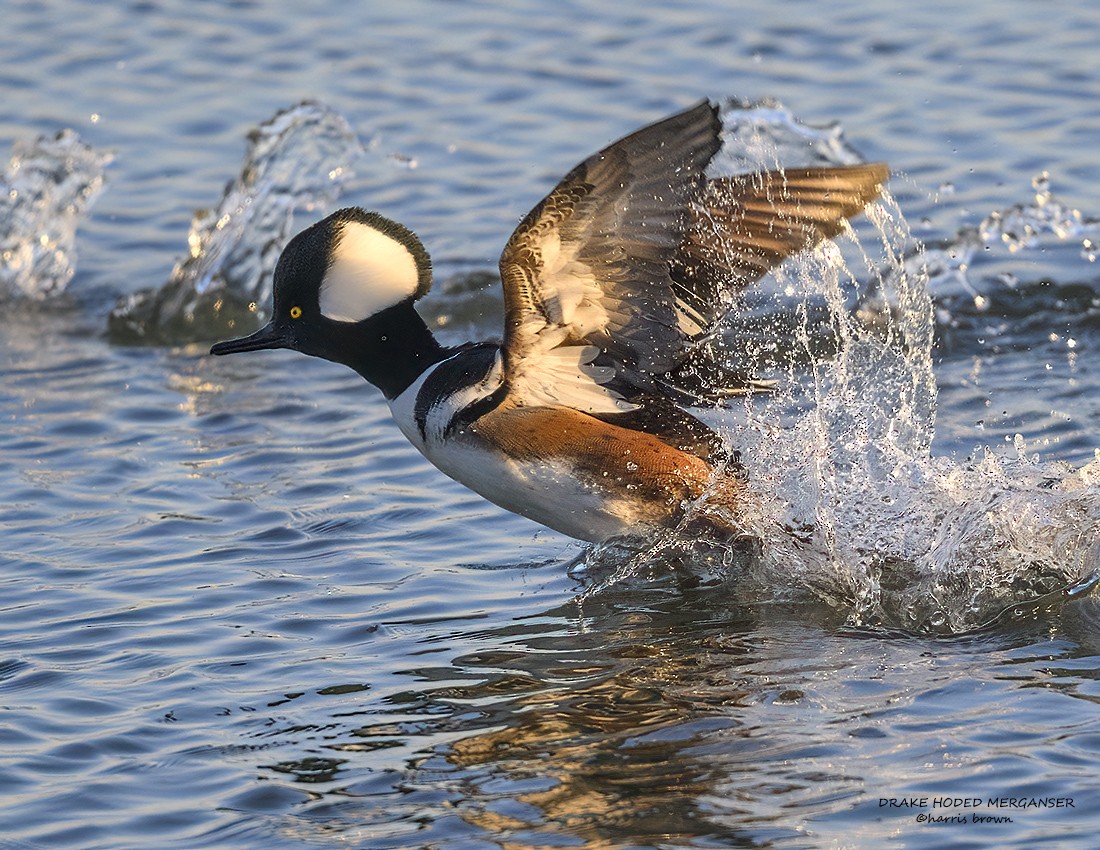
[[295, 312]]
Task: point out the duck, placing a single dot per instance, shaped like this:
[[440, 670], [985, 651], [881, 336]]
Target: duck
[[614, 286]]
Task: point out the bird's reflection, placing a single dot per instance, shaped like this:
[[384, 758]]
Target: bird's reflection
[[613, 716]]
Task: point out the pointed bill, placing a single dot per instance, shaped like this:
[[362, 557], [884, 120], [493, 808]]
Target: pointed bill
[[266, 337]]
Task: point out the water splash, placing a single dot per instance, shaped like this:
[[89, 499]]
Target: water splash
[[949, 264], [298, 160], [764, 134], [45, 192], [901, 538], [1023, 225], [851, 506]]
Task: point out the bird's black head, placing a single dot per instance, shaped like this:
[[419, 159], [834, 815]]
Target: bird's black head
[[344, 290]]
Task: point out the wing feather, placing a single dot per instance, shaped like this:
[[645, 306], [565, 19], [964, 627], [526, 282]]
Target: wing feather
[[634, 257], [590, 264], [746, 225]]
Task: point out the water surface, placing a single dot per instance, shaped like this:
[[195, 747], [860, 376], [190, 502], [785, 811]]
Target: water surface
[[239, 611]]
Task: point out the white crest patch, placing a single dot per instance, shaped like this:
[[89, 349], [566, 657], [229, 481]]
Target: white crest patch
[[369, 272]]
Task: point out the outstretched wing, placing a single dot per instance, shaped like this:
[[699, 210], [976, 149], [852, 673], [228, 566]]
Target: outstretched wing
[[746, 225], [633, 257]]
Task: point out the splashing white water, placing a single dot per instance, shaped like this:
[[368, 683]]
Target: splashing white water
[[899, 537], [764, 134], [949, 265], [296, 161], [850, 503], [44, 194]]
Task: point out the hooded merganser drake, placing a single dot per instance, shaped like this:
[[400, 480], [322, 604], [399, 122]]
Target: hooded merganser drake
[[612, 285]]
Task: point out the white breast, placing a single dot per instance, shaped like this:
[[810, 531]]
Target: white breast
[[547, 491]]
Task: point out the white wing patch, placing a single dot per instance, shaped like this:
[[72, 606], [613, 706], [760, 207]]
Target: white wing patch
[[555, 370], [369, 272], [570, 293], [565, 376]]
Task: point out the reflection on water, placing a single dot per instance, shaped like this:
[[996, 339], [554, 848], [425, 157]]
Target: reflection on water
[[581, 730], [665, 718]]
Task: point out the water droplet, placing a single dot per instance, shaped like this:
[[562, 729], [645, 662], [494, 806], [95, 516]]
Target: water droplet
[[404, 161]]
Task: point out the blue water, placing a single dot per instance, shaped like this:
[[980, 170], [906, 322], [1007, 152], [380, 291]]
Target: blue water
[[238, 610]]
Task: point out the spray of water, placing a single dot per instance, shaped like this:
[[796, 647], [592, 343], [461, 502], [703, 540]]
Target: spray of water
[[850, 505], [296, 161], [45, 193]]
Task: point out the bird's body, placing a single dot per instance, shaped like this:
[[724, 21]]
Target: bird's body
[[569, 470], [612, 285]]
